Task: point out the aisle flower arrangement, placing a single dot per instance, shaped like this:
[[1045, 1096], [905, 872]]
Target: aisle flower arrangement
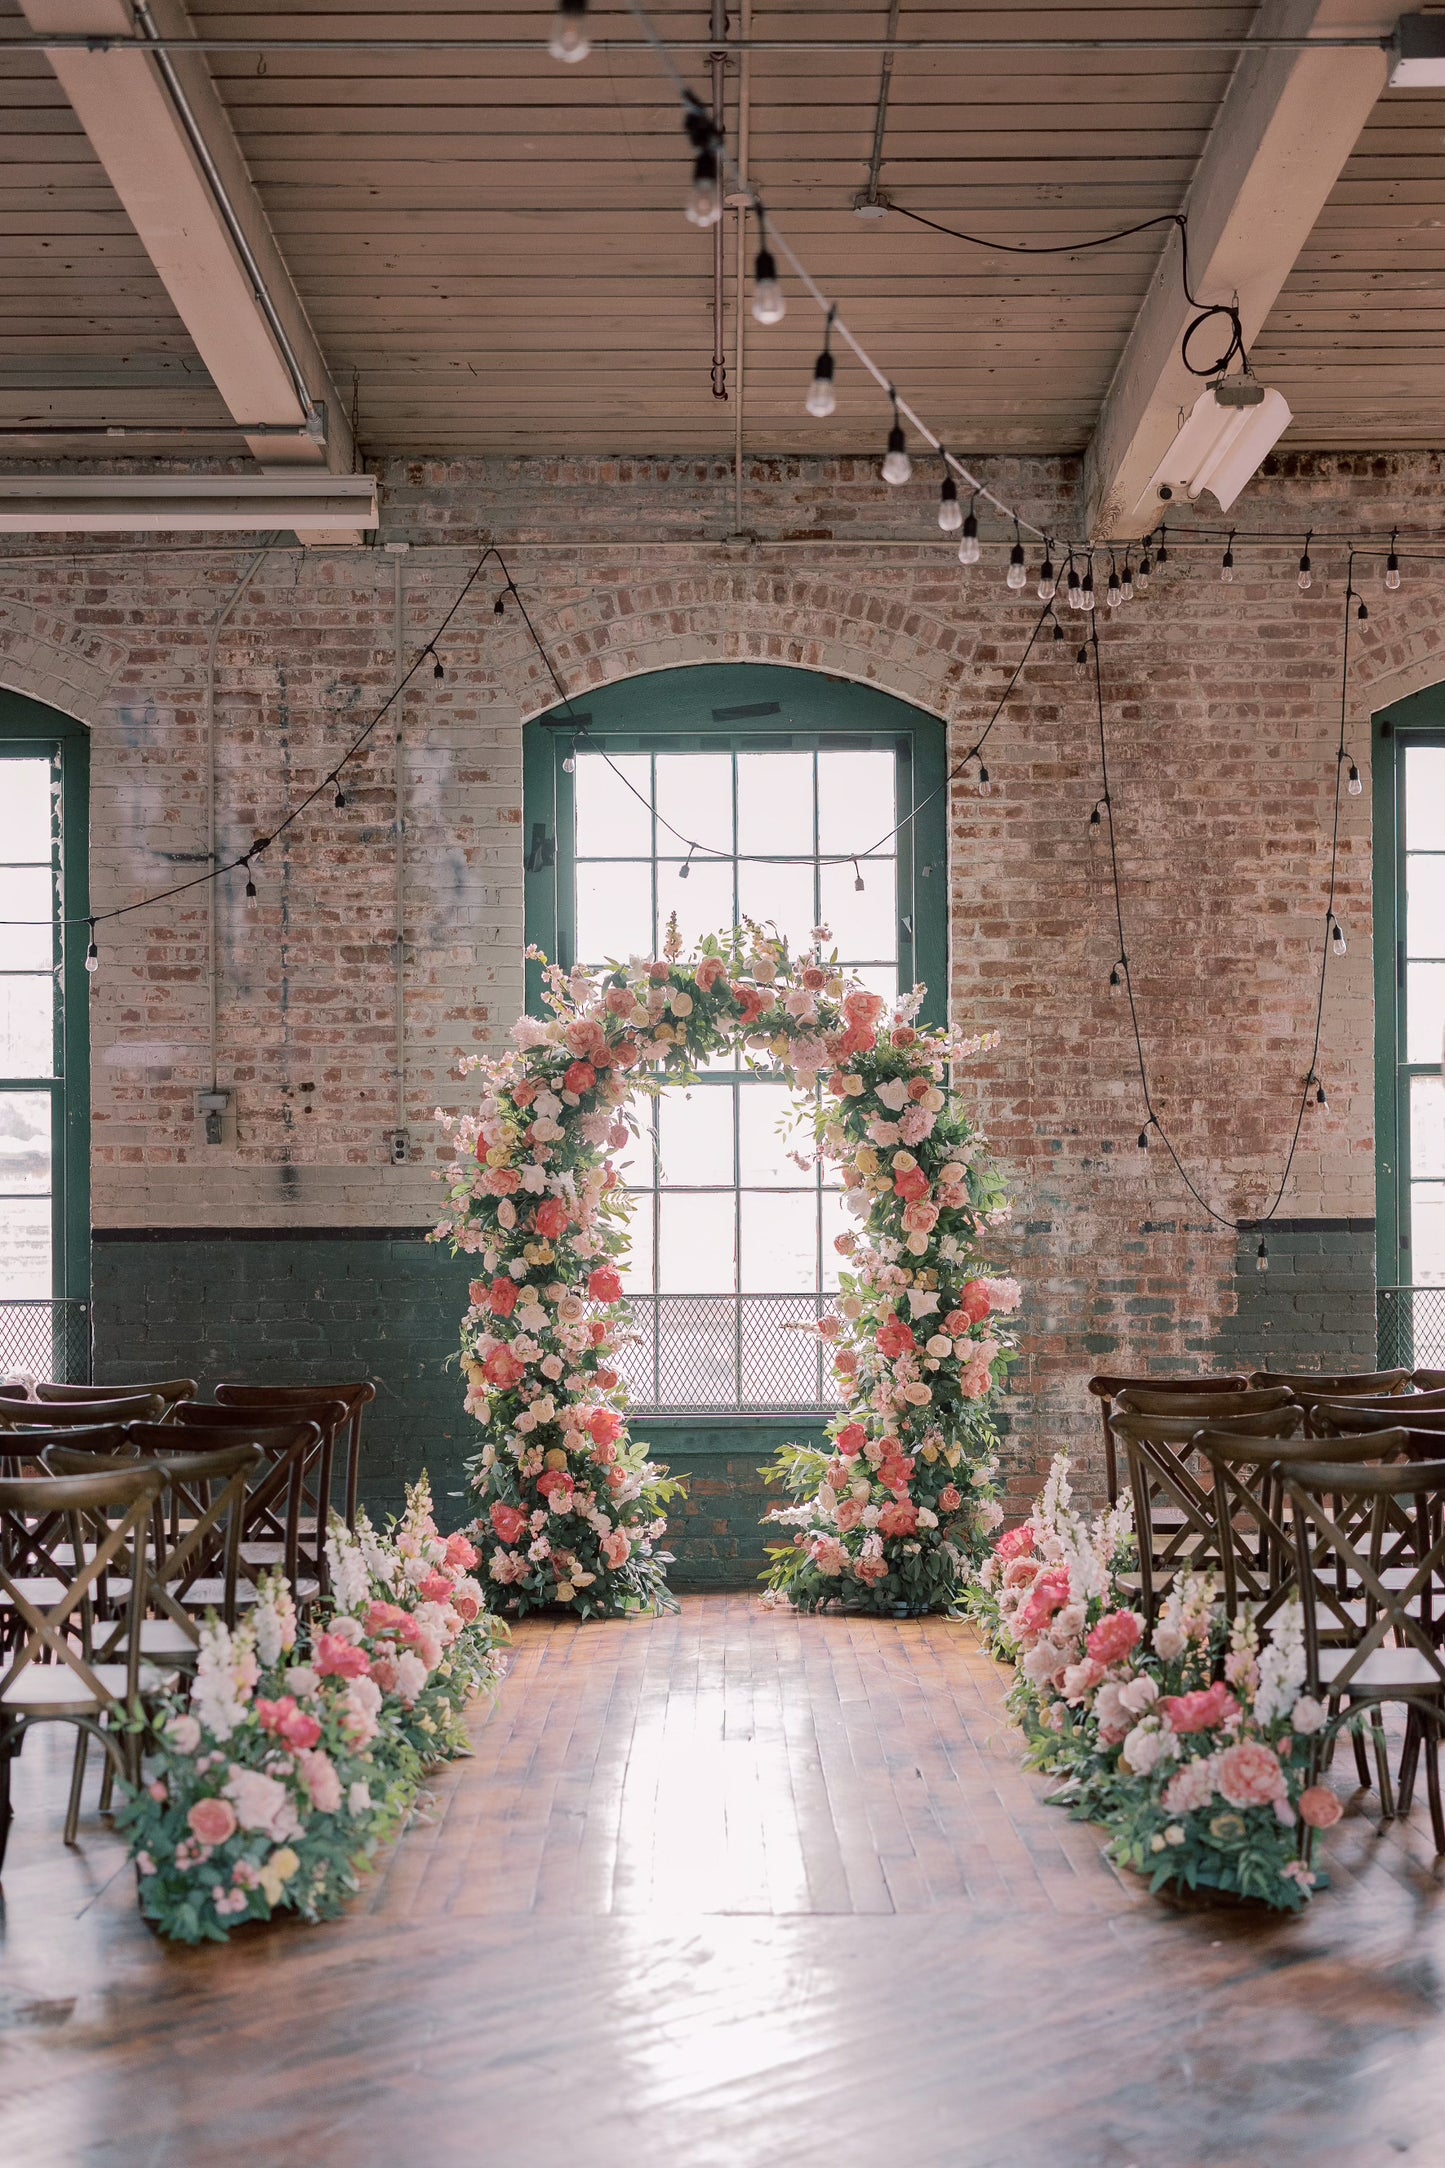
[[273, 1780], [571, 1512], [1194, 1746]]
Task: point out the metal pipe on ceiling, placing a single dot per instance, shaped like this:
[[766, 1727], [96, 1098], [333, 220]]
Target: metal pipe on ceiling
[[869, 200], [719, 266], [54, 42]]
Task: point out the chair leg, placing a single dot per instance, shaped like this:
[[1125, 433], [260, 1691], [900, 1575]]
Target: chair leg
[[1432, 1782], [1362, 1763], [11, 1742], [1382, 1765], [77, 1784], [1409, 1763]]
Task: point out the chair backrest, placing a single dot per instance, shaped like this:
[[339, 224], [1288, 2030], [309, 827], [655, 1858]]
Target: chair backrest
[[1335, 1385], [123, 1495], [1381, 1611], [271, 1509], [170, 1391], [1107, 1388], [79, 1414], [15, 1389], [1173, 1512], [1205, 1407], [1429, 1381], [312, 1401], [1247, 1471]]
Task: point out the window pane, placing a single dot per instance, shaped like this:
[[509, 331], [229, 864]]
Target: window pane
[[695, 794], [25, 812], [1427, 1234], [779, 1242], [879, 979], [781, 896], [637, 1269], [635, 1161], [697, 1353], [1425, 906], [27, 892], [695, 1250], [27, 1025], [763, 1152], [614, 913], [611, 823], [779, 1353], [1424, 1011], [857, 801], [24, 1144], [696, 1129], [703, 902], [1425, 798], [1427, 1127], [864, 923], [835, 1222], [775, 804], [25, 1248]]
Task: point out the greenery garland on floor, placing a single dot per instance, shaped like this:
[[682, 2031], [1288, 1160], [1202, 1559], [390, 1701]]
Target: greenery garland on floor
[[571, 1511]]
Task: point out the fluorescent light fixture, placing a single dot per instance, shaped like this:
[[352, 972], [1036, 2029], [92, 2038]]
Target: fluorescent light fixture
[[1419, 53], [1233, 428], [339, 505]]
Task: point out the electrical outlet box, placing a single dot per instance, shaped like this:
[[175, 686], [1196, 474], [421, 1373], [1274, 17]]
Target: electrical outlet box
[[212, 1108], [400, 1147]]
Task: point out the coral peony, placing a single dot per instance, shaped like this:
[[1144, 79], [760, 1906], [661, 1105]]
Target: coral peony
[[1201, 1711], [212, 1821], [551, 1218], [604, 1426], [460, 1554], [503, 1369], [899, 1518], [974, 1302], [436, 1588], [616, 1548], [502, 1297], [336, 1658], [1249, 1775], [1318, 1807], [604, 1285], [895, 1338], [1115, 1637], [580, 1078]]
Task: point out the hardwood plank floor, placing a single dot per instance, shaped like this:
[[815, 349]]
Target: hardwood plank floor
[[729, 1889]]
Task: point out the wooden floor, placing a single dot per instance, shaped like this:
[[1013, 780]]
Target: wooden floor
[[728, 1890]]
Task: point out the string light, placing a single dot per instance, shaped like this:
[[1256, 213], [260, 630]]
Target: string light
[[1362, 613], [569, 40], [251, 897], [969, 551], [1306, 574], [1392, 564], [686, 867], [1086, 587], [1144, 1134], [1261, 1256], [339, 801], [704, 201], [569, 763], [858, 881], [1075, 591], [1145, 573], [1017, 570], [1048, 585], [436, 666], [1337, 936], [1116, 977], [769, 305], [897, 466], [92, 954], [1161, 555], [822, 398], [1126, 585], [950, 511], [984, 786], [1113, 593], [1226, 562], [1096, 818], [1355, 783], [1058, 629], [1081, 660]]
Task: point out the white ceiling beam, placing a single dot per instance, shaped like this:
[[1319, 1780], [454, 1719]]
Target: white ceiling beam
[[169, 151], [1285, 127], [331, 508]]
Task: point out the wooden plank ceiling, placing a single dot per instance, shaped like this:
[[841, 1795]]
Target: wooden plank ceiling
[[491, 246]]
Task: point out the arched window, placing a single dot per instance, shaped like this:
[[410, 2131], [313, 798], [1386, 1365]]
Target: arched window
[[44, 1042], [720, 794]]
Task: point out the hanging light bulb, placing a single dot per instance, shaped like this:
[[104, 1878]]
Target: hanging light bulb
[[1362, 611], [950, 511], [1116, 978], [569, 764], [1261, 1256], [1086, 587], [1075, 591], [1058, 632], [92, 954], [769, 306], [1392, 568], [1048, 579], [857, 877], [569, 40], [1161, 555], [686, 867], [1320, 1099], [1144, 574], [1126, 584], [1337, 936], [1096, 818], [983, 781], [822, 399], [1226, 562], [1018, 573], [339, 800], [436, 665], [250, 889], [704, 198], [1113, 593], [1144, 1136], [969, 551], [897, 466], [1306, 570], [1081, 660], [1354, 782]]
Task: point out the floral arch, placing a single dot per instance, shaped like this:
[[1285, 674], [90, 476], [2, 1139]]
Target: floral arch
[[888, 1516]]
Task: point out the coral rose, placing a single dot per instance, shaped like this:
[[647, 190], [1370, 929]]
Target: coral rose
[[1318, 1807], [849, 1514], [551, 1218], [1115, 1637], [212, 1821], [508, 1522], [1201, 1711], [900, 1518], [950, 1498], [502, 1297], [616, 1548], [974, 1302], [503, 1369], [1249, 1775], [851, 1440], [709, 972], [604, 1426], [911, 1185], [580, 1078], [604, 1285], [460, 1554]]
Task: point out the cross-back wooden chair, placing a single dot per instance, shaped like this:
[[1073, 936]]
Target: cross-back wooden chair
[[21, 1415], [270, 1529], [172, 1392], [1423, 1428], [1429, 1381], [41, 1553], [1107, 1389], [1390, 1648], [314, 1402], [51, 1674], [1310, 1387], [263, 1548]]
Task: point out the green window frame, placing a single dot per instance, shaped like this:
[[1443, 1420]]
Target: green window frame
[[1408, 953], [29, 732], [741, 708]]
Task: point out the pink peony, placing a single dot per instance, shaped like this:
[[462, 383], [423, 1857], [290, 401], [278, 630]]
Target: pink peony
[[335, 1657], [386, 1618], [869, 1570], [604, 1285], [1319, 1807], [1202, 1711], [616, 1548], [849, 1513], [460, 1553], [212, 1821], [1017, 1543], [1191, 1788], [1249, 1775], [323, 1785], [1115, 1637], [828, 1555], [508, 1522], [1049, 1594], [436, 1588], [263, 1803], [384, 1668]]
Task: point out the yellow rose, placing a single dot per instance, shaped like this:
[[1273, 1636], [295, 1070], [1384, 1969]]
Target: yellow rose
[[851, 1086], [866, 1160], [664, 1034], [930, 1454], [903, 1162], [680, 1004], [277, 1872], [953, 1454], [476, 1375], [554, 1457], [565, 1592], [498, 1155]]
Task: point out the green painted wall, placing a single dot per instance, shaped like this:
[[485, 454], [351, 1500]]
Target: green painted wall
[[275, 1308], [1315, 1307]]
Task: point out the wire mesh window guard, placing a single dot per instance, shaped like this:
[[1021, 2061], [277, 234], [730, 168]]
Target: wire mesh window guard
[[44, 1339], [1411, 1327], [728, 1355]]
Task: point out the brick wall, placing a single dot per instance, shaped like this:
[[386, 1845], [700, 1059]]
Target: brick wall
[[1222, 704]]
